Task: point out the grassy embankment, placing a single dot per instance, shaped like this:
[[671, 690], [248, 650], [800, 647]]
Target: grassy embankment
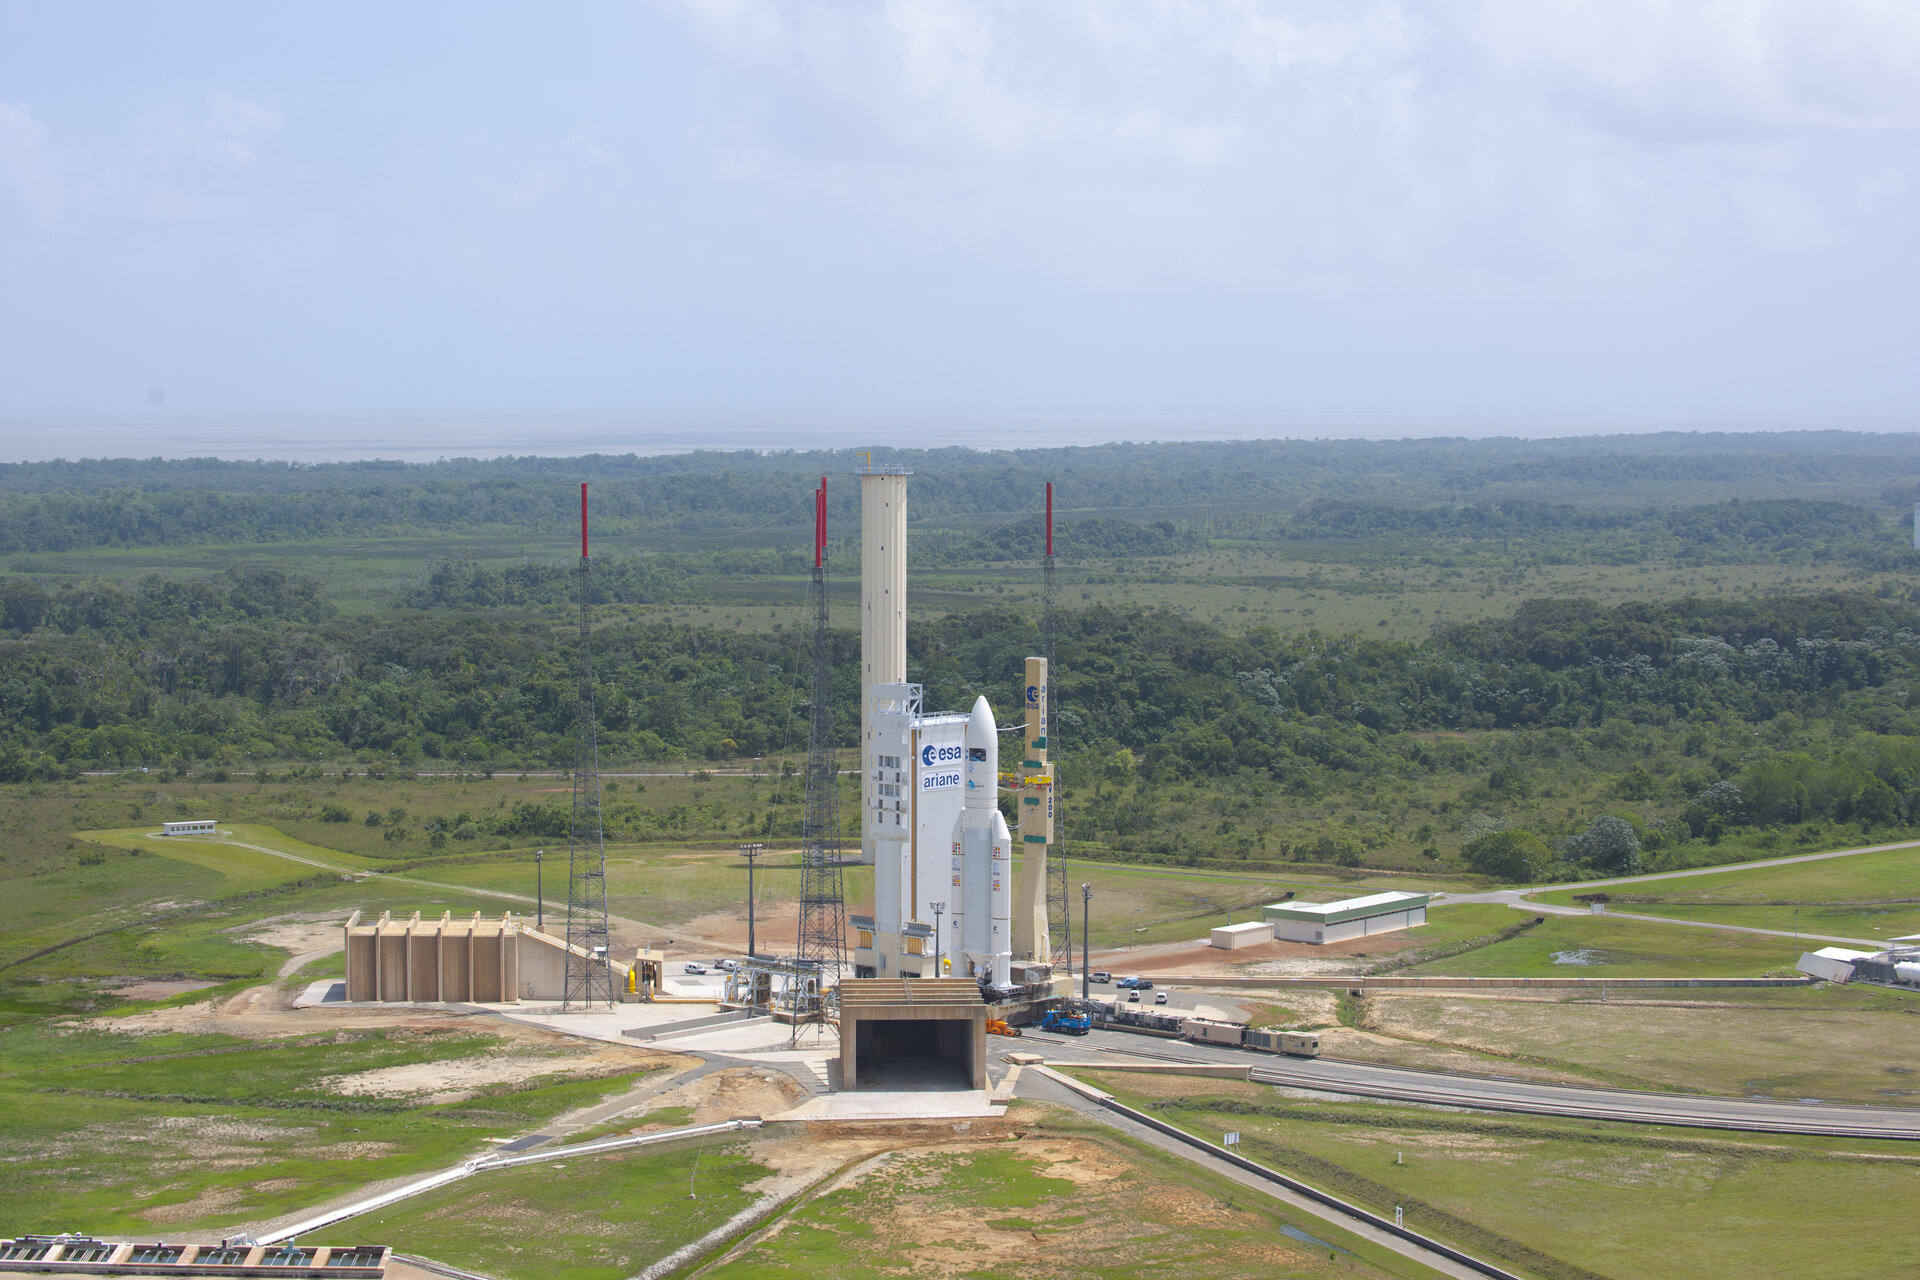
[[1070, 1200], [1866, 895], [1836, 1044], [1599, 947], [1573, 1200], [126, 1133]]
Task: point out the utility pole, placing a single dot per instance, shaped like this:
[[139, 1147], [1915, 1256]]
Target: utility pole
[[939, 909], [539, 893], [1086, 918], [750, 852]]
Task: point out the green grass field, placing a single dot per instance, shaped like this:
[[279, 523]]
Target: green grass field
[[528, 1224], [1867, 895], [125, 1133], [1571, 1200], [1599, 947], [1068, 1201], [1836, 1044]]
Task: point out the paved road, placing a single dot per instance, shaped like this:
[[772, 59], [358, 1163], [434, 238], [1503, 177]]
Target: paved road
[[1493, 1093]]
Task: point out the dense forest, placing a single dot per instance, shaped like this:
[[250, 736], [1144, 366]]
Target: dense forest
[[1468, 486], [1553, 729], [253, 668]]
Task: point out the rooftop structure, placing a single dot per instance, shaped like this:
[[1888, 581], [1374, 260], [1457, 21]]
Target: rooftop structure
[[926, 1025], [84, 1255]]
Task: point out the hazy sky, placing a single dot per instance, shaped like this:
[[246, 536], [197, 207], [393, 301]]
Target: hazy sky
[[1608, 210]]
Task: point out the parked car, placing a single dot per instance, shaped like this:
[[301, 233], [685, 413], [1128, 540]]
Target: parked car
[[693, 967], [1159, 997], [1142, 984], [725, 966], [1128, 984], [1133, 997], [1100, 975]]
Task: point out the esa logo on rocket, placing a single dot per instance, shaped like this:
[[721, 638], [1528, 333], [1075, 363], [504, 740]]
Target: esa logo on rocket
[[1033, 695]]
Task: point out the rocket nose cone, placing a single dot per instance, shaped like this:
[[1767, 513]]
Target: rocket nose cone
[[980, 726]]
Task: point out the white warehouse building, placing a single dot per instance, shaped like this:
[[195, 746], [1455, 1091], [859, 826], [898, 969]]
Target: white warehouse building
[[1323, 922]]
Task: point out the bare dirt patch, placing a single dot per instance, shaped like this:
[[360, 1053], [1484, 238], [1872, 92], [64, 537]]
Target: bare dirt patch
[[147, 990], [295, 934], [736, 1091], [439, 1083]]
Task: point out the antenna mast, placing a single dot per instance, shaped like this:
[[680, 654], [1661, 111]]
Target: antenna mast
[[589, 976], [823, 906], [1059, 905]]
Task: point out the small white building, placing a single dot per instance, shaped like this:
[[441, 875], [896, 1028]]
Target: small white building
[[198, 827], [1321, 922], [1831, 964], [1231, 937]]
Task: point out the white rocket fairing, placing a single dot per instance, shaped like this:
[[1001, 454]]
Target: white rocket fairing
[[983, 857]]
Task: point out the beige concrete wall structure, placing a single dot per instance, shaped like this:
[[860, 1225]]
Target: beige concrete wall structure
[[474, 960], [1033, 796], [873, 1009], [883, 604]]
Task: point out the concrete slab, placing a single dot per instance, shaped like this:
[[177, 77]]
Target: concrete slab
[[325, 991], [876, 1104], [599, 1024], [752, 1037]]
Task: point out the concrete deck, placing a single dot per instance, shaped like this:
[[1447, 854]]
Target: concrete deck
[[878, 1104]]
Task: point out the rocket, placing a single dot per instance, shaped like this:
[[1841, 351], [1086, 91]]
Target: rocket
[[983, 857]]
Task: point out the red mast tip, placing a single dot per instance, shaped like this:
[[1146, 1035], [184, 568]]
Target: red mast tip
[[820, 523]]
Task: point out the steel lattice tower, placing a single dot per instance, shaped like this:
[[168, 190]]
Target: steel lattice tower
[[1059, 904], [589, 976], [823, 905]]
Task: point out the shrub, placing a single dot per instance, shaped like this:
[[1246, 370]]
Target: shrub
[[1513, 854], [1608, 844]]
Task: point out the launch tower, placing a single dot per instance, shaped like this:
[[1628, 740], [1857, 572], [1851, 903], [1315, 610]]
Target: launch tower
[[823, 905], [589, 977]]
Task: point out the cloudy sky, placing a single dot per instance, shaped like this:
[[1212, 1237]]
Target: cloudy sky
[[1510, 212]]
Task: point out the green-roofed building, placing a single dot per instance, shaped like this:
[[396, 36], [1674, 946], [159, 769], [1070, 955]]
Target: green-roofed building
[[1348, 918]]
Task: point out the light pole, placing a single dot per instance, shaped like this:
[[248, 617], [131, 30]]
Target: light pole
[[1086, 914], [539, 893], [939, 909], [750, 852]]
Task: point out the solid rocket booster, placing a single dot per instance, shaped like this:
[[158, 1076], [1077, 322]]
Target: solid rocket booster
[[983, 857]]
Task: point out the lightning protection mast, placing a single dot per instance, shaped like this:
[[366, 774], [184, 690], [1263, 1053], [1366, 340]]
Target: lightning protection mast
[[1059, 904], [589, 976], [823, 906]]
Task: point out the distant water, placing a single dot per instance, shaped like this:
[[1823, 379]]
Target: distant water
[[342, 438]]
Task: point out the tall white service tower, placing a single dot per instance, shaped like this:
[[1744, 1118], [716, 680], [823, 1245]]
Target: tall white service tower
[[883, 607]]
